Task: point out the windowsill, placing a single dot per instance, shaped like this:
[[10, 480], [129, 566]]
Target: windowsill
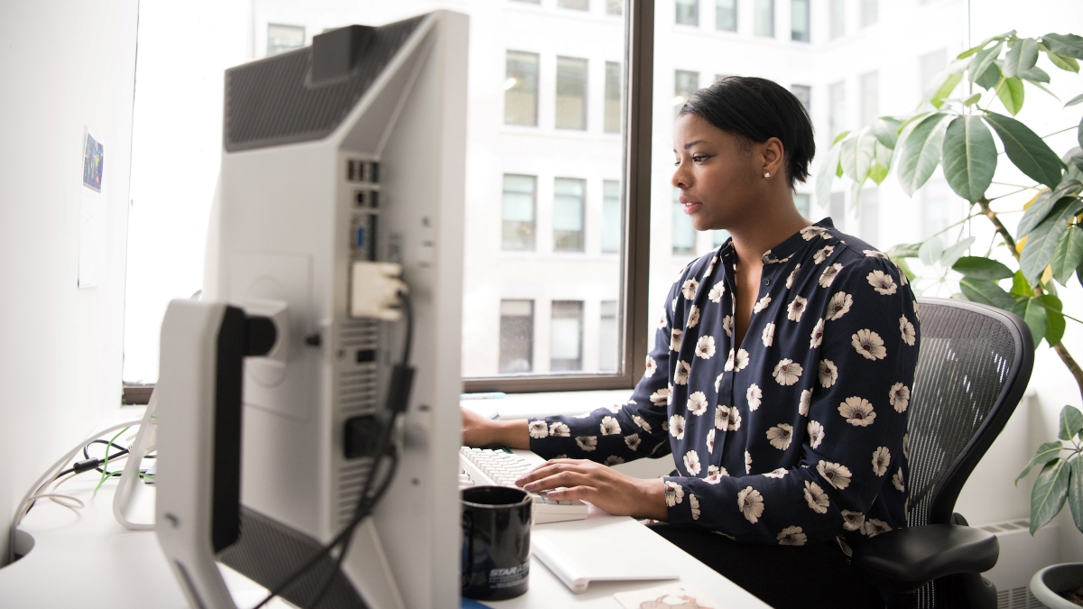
[[524, 405]]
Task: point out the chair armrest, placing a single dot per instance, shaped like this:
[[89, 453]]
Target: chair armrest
[[905, 559]]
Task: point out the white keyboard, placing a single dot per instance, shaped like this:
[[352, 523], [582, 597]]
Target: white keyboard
[[499, 467]]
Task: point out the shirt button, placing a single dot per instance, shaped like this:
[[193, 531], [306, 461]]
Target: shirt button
[[766, 282]]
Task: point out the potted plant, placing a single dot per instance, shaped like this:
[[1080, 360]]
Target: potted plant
[[958, 132]]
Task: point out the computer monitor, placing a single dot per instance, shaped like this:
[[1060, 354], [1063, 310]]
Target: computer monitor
[[351, 150]]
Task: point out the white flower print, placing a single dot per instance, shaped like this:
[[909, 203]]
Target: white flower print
[[829, 373], [780, 435], [897, 481], [874, 527], [688, 290], [869, 344], [792, 536], [748, 462], [680, 374], [857, 411], [609, 426], [804, 403], [899, 396], [633, 441], [796, 308], [815, 434], [777, 473], [660, 397], [727, 325], [874, 254], [693, 317], [715, 295], [674, 493], [661, 325], [823, 254], [651, 367], [710, 267], [715, 474], [676, 426], [787, 372], [882, 283], [693, 504], [559, 430], [675, 339], [907, 330], [710, 441], [673, 304], [881, 458], [726, 418], [839, 305], [612, 460], [754, 395], [691, 463], [793, 273], [829, 274], [750, 502], [697, 403], [768, 335], [718, 379], [587, 443], [916, 316], [816, 497], [761, 304], [705, 347], [811, 231], [902, 275], [614, 408], [836, 474], [740, 361], [853, 521], [817, 335], [539, 429], [906, 445]]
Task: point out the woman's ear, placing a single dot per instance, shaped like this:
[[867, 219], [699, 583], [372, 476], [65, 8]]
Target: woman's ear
[[773, 155]]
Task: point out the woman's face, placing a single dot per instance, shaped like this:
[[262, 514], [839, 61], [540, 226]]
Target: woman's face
[[719, 180]]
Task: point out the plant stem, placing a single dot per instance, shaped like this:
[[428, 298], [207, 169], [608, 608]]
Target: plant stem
[[1061, 131]]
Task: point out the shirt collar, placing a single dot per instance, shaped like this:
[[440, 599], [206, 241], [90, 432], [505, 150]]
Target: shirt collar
[[783, 251]]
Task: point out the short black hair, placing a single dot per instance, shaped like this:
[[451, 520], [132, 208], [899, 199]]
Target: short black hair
[[758, 109]]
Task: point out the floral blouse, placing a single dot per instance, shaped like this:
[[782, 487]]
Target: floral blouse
[[798, 434]]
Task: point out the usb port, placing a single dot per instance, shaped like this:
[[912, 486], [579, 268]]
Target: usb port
[[359, 237]]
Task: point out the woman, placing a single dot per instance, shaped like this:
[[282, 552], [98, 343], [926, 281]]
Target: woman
[[779, 380]]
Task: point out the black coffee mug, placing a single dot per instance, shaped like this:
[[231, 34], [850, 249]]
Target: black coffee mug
[[496, 542]]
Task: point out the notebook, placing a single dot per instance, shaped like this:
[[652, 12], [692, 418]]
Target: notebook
[[576, 559]]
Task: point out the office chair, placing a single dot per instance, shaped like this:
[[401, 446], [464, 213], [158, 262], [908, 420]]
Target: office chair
[[975, 361]]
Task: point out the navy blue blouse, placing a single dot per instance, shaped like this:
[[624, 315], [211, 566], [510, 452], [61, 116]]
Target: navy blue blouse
[[798, 434]]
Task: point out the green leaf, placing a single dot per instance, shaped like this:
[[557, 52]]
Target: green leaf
[[878, 173], [1020, 286], [1054, 319], [904, 250], [1011, 94], [1033, 312], [840, 137], [1075, 492], [986, 292], [1075, 100], [1079, 133], [1050, 491], [952, 253], [1037, 75], [1068, 255], [978, 267], [931, 250], [1021, 57], [1071, 423], [945, 87], [1044, 202], [886, 130], [973, 99], [1026, 150], [1068, 45], [970, 157], [825, 176], [865, 154], [1047, 452], [1042, 241], [921, 153], [990, 77], [983, 59], [982, 45], [1068, 64], [848, 157]]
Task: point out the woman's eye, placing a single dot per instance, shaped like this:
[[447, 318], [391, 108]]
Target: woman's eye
[[699, 158]]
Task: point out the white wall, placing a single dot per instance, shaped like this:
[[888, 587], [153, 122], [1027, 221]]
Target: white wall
[[66, 66]]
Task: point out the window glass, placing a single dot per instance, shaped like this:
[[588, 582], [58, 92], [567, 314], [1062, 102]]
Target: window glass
[[870, 96], [870, 12], [568, 194], [518, 212], [687, 12], [614, 7], [571, 93], [579, 5], [800, 20], [764, 14], [804, 94], [869, 221], [516, 336], [607, 337], [566, 336], [837, 16], [282, 38], [611, 217], [684, 234], [725, 15], [612, 97], [802, 202], [685, 84], [929, 65], [521, 89], [718, 237], [937, 202], [837, 108], [837, 209]]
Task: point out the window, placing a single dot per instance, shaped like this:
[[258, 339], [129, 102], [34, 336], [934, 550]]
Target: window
[[571, 93], [870, 12], [282, 38], [608, 337], [612, 97], [611, 216], [837, 10], [566, 336], [837, 210], [685, 84], [614, 7], [803, 93], [718, 237], [516, 336], [687, 12], [725, 15], [684, 234], [521, 89], [802, 202], [578, 5], [764, 18], [800, 20], [837, 116], [929, 65], [870, 97], [568, 195], [869, 221], [518, 212], [935, 207]]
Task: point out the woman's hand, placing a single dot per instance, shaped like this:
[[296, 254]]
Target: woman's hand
[[617, 493], [480, 431]]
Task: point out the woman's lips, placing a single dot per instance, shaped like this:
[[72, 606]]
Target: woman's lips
[[690, 205]]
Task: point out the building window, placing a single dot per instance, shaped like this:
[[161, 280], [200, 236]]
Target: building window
[[612, 97], [803, 93], [764, 18], [837, 210], [520, 196], [608, 337], [935, 211], [521, 89], [566, 336], [802, 202], [571, 93], [685, 84], [282, 38], [725, 15], [800, 20], [614, 7], [870, 12], [684, 234], [929, 65], [837, 18], [836, 118], [870, 215], [870, 96], [568, 195], [577, 5], [516, 336], [610, 216], [687, 12]]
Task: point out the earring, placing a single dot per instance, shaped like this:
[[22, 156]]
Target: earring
[[767, 174]]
